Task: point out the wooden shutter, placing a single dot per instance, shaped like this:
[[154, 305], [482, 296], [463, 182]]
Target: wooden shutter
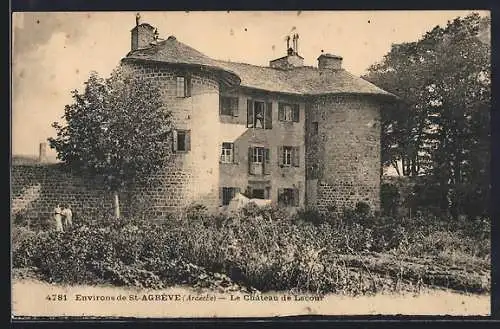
[[296, 197], [174, 141], [268, 121], [267, 161], [221, 196], [235, 153], [296, 112], [235, 106], [280, 156], [187, 141], [187, 86], [281, 112], [296, 156], [250, 116], [250, 164], [280, 196]]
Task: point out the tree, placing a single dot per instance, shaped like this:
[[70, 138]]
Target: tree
[[117, 128], [441, 129]]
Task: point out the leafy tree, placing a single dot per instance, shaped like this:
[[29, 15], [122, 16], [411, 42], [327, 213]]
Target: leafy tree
[[441, 128], [117, 128]]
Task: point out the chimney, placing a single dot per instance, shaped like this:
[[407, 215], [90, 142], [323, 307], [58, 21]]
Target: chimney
[[42, 153], [143, 34], [329, 62], [292, 58]]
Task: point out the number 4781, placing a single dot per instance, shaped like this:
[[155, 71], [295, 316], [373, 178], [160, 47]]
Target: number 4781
[[56, 297]]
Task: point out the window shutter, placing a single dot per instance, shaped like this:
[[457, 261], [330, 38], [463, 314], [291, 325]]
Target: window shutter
[[281, 112], [296, 197], [296, 156], [280, 195], [269, 116], [250, 164], [267, 161], [188, 140], [221, 196], [235, 153], [280, 156], [235, 106], [221, 104], [174, 141], [296, 113], [250, 115], [187, 86]]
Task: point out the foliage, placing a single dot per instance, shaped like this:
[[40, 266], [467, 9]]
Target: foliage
[[266, 251], [441, 126], [389, 199], [117, 128]]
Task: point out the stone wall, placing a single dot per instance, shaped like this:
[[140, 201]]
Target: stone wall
[[234, 130], [36, 190], [193, 176], [343, 155]]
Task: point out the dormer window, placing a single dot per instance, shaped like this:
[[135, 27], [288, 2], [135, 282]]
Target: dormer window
[[183, 86]]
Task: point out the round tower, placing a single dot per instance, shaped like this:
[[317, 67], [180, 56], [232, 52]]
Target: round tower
[[347, 151], [190, 84]]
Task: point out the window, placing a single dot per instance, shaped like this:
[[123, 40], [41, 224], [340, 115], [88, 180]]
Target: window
[[227, 155], [258, 192], [227, 194], [183, 86], [259, 115], [289, 156], [181, 141], [258, 155], [288, 197], [314, 128], [228, 106], [259, 160], [288, 112]]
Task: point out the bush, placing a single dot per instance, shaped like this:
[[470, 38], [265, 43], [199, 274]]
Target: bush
[[262, 248], [389, 199]]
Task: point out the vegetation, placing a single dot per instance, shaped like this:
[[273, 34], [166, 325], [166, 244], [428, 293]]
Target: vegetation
[[267, 250], [117, 128], [441, 129]]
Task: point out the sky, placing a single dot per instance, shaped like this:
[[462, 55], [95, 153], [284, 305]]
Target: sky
[[53, 53]]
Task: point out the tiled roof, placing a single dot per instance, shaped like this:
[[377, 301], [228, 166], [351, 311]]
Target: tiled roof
[[304, 80]]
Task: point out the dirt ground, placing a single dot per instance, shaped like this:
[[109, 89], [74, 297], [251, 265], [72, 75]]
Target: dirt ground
[[29, 298]]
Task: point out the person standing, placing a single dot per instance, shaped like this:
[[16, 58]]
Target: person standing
[[58, 218], [68, 216]]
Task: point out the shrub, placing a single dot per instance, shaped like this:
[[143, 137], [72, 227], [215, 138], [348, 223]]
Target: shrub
[[310, 215], [263, 248], [389, 199]]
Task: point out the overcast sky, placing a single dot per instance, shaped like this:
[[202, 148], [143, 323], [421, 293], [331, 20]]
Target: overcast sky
[[53, 53]]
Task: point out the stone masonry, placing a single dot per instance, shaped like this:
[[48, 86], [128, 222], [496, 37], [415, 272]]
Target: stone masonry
[[344, 154]]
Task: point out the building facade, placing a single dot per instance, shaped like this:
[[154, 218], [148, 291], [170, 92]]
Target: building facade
[[297, 135]]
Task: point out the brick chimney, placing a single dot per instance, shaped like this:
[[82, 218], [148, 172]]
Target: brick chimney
[[143, 34], [329, 62], [42, 153], [292, 58]]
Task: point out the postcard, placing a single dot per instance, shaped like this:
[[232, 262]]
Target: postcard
[[250, 164]]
